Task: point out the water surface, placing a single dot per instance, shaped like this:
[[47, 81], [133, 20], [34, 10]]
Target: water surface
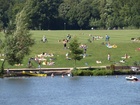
[[94, 90]]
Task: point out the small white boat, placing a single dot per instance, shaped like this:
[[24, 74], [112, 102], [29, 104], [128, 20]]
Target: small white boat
[[131, 78]]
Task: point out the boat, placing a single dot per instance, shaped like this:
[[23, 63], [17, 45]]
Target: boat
[[131, 78], [38, 74]]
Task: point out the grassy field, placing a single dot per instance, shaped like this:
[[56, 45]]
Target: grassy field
[[96, 50]]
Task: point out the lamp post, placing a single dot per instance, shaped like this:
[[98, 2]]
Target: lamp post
[[64, 26]]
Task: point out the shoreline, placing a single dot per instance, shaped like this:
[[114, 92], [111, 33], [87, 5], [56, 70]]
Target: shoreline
[[15, 72]]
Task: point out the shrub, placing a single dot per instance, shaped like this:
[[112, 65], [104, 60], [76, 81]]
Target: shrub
[[92, 72], [112, 67], [101, 72]]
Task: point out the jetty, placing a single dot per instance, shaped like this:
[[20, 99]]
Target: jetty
[[48, 71]]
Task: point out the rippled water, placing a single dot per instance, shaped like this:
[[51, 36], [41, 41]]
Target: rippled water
[[94, 90]]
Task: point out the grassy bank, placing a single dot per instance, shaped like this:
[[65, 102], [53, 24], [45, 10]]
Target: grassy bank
[[96, 51]]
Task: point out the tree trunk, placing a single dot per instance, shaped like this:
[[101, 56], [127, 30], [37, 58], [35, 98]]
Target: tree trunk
[[2, 68], [75, 65]]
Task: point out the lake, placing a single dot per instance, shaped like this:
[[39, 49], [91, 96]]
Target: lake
[[86, 90]]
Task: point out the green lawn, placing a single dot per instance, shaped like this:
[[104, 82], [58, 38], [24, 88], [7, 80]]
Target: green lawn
[[96, 51]]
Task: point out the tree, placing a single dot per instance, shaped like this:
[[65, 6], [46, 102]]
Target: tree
[[17, 44], [76, 14], [8, 11], [44, 14], [95, 17], [4, 5], [75, 51], [84, 13]]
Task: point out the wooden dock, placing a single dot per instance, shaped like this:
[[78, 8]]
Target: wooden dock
[[48, 71]]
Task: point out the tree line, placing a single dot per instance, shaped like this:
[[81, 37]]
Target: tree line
[[72, 14]]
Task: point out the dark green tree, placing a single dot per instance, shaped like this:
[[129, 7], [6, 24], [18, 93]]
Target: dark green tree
[[94, 21], [8, 11], [67, 12], [4, 5], [83, 14], [74, 14], [44, 14], [75, 51]]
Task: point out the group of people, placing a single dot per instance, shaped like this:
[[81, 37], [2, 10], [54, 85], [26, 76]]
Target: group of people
[[125, 57], [93, 38], [41, 60], [83, 46], [107, 43], [108, 58], [110, 46]]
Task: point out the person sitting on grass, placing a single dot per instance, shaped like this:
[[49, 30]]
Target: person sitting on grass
[[125, 56], [67, 56], [98, 62], [44, 62]]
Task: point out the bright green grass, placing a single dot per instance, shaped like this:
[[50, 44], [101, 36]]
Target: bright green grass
[[122, 38]]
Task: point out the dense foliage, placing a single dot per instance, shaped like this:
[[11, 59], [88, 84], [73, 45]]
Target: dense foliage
[[18, 44], [101, 72], [18, 40], [73, 14]]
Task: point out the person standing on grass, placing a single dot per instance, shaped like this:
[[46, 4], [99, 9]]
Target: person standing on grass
[[107, 37], [29, 63], [65, 43], [85, 50], [108, 57]]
